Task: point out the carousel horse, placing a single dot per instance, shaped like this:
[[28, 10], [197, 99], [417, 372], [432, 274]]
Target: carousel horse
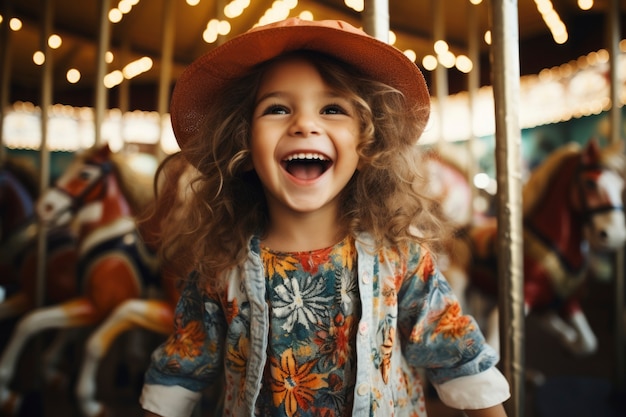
[[572, 204], [448, 183], [114, 265], [18, 250], [157, 314], [447, 167]]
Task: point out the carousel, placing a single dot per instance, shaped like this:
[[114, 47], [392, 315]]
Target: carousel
[[528, 163]]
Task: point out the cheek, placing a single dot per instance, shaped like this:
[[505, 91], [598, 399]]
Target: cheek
[[261, 155]]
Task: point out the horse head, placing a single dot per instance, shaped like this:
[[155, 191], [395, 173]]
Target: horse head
[[89, 192], [600, 185]]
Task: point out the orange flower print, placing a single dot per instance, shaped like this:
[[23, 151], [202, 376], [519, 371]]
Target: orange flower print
[[294, 385], [335, 342], [311, 260], [187, 341], [390, 296], [275, 265], [237, 359], [348, 253], [426, 267], [386, 350], [451, 324], [236, 356], [417, 333]]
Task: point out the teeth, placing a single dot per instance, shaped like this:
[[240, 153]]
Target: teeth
[[303, 155]]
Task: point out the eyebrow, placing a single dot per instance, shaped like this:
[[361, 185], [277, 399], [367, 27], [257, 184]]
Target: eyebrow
[[330, 94], [271, 94]]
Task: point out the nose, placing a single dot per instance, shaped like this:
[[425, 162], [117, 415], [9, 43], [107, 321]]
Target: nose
[[304, 125]]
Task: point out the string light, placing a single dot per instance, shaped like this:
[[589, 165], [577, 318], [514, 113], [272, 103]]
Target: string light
[[54, 41], [15, 24], [552, 20]]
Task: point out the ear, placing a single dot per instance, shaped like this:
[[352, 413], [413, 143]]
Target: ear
[[103, 152], [591, 153], [618, 146]]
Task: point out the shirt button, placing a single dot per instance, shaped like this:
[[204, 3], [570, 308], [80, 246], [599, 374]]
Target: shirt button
[[363, 389], [366, 278], [363, 328]]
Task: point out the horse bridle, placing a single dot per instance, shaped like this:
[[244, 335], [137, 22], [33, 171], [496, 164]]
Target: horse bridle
[[587, 211], [79, 199]]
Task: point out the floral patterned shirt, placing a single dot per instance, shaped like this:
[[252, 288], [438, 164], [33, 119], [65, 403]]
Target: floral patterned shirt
[[314, 307], [409, 320]]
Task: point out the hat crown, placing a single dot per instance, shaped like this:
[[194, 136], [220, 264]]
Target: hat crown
[[207, 77], [296, 21]]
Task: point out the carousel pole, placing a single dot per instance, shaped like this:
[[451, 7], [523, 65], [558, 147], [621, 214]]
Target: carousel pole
[[44, 153], [441, 72], [6, 9], [376, 19], [165, 76], [506, 87], [101, 92], [473, 84], [613, 17]]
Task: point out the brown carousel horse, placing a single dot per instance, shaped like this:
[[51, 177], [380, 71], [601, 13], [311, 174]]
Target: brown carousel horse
[[18, 251], [156, 315], [572, 204], [114, 264]]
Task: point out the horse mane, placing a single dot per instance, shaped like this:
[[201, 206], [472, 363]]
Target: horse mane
[[612, 157], [136, 184], [533, 190]]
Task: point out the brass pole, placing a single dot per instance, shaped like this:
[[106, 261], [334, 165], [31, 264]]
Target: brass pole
[[5, 70], [506, 87], [376, 19], [44, 153], [613, 17], [165, 77], [441, 72], [473, 85], [100, 90]]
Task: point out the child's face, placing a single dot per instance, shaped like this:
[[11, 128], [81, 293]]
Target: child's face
[[304, 139]]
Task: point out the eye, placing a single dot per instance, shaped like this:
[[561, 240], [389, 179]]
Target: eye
[[590, 184], [88, 173], [276, 109], [334, 109]]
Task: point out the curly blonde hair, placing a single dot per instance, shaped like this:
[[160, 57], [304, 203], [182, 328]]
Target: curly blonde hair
[[386, 197]]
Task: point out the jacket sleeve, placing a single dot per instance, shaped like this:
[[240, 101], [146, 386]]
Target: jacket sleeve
[[190, 359], [447, 344]]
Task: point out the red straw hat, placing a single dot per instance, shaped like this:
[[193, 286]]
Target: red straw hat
[[199, 83]]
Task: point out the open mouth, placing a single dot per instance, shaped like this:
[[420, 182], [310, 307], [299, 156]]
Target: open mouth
[[306, 166]]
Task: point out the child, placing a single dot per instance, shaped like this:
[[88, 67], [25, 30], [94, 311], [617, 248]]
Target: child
[[314, 290]]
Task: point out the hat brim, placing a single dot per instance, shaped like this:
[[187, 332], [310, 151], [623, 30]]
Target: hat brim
[[205, 77]]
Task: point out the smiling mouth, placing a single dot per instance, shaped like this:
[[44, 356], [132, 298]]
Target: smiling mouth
[[306, 166]]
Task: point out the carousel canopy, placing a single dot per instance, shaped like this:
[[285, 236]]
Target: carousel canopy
[[551, 33]]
